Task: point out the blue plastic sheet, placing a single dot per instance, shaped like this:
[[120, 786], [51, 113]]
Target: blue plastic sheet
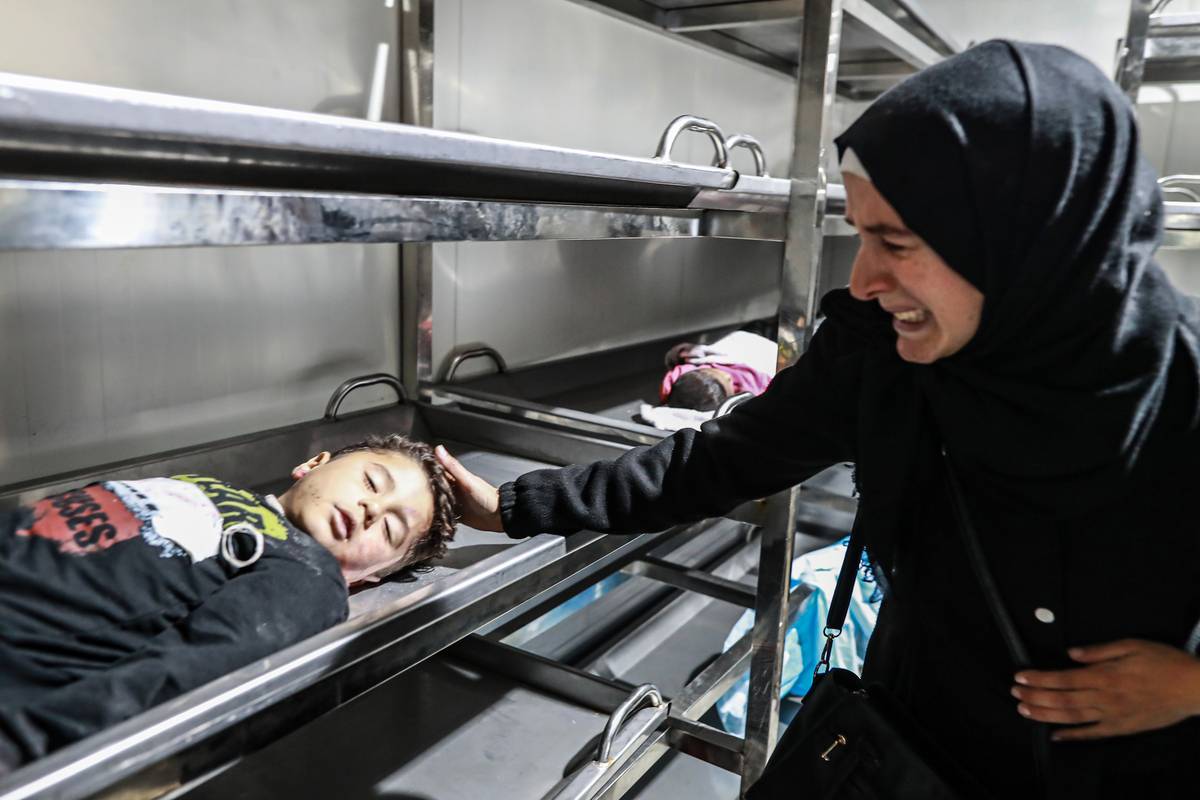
[[805, 638]]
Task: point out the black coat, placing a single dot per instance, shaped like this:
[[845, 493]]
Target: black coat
[[1130, 569]]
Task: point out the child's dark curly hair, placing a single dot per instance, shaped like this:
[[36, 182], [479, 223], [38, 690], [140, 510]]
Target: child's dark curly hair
[[445, 512]]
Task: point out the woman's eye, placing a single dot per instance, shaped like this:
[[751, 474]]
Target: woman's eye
[[370, 484], [892, 247]]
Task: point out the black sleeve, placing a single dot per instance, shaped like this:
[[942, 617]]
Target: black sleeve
[[276, 603], [802, 424]]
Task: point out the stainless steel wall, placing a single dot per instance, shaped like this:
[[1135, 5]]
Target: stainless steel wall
[[555, 72], [110, 355]]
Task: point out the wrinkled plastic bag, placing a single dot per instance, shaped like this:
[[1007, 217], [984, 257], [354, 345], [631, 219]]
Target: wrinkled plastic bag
[[805, 638]]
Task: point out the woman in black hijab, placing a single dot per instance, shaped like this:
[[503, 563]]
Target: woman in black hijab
[[1004, 305]]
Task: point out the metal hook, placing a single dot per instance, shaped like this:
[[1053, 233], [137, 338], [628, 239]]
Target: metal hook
[[754, 146], [701, 125], [1178, 184], [339, 394], [634, 702], [475, 352]]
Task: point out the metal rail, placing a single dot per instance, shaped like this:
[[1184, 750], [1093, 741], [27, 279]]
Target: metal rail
[[62, 128], [58, 215]]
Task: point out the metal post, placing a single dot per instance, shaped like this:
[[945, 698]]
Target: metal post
[[1131, 58], [416, 260], [816, 84], [770, 626]]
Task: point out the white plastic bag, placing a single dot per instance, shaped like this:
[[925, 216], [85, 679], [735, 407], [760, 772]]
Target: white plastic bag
[[805, 638]]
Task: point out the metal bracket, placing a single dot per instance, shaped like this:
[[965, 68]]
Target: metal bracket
[[475, 352], [754, 146], [339, 394], [732, 402], [701, 125]]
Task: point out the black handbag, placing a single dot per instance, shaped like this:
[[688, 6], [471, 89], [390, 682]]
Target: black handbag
[[851, 741]]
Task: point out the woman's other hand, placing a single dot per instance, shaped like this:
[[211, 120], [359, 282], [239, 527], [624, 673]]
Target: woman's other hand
[[1128, 686], [478, 500]]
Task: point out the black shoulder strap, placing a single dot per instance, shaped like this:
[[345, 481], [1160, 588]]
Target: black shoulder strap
[[839, 605]]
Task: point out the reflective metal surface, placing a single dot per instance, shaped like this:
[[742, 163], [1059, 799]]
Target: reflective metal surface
[[462, 357], [339, 394], [1181, 226], [688, 122], [568, 419], [1185, 185], [416, 260], [693, 580], [755, 147], [1172, 53], [767, 32], [771, 619], [890, 35], [42, 215], [645, 694], [50, 127], [801, 283]]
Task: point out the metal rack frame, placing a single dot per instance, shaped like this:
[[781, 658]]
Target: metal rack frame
[[890, 38], [82, 157], [1158, 47]]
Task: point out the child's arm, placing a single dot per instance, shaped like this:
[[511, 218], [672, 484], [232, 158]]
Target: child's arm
[[274, 604]]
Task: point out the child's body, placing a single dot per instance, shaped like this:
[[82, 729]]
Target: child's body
[[119, 595]]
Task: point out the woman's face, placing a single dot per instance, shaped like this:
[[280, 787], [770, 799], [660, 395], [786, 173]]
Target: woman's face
[[935, 311]]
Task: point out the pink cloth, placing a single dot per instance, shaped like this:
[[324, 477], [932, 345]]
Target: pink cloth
[[745, 379]]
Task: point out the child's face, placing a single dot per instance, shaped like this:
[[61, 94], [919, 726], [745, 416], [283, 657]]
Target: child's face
[[368, 508]]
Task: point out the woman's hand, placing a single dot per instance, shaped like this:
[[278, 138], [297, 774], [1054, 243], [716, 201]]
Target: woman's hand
[[1127, 687], [478, 500]]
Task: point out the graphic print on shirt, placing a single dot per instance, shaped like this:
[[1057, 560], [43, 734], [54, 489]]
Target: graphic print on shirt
[[238, 506], [183, 516], [83, 520], [176, 517]]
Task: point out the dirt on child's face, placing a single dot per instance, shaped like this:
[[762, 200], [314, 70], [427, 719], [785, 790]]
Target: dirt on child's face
[[367, 508]]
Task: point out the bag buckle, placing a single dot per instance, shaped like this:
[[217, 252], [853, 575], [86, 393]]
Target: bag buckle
[[838, 741], [826, 652]]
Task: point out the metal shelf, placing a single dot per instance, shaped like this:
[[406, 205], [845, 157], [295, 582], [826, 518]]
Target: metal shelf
[[85, 167], [51, 128], [1172, 53], [1181, 226], [53, 215], [882, 40]]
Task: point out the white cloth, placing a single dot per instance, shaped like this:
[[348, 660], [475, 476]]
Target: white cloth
[[668, 418], [740, 347], [851, 164]]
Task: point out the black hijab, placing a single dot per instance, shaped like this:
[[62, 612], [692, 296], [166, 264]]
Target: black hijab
[[1019, 165]]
